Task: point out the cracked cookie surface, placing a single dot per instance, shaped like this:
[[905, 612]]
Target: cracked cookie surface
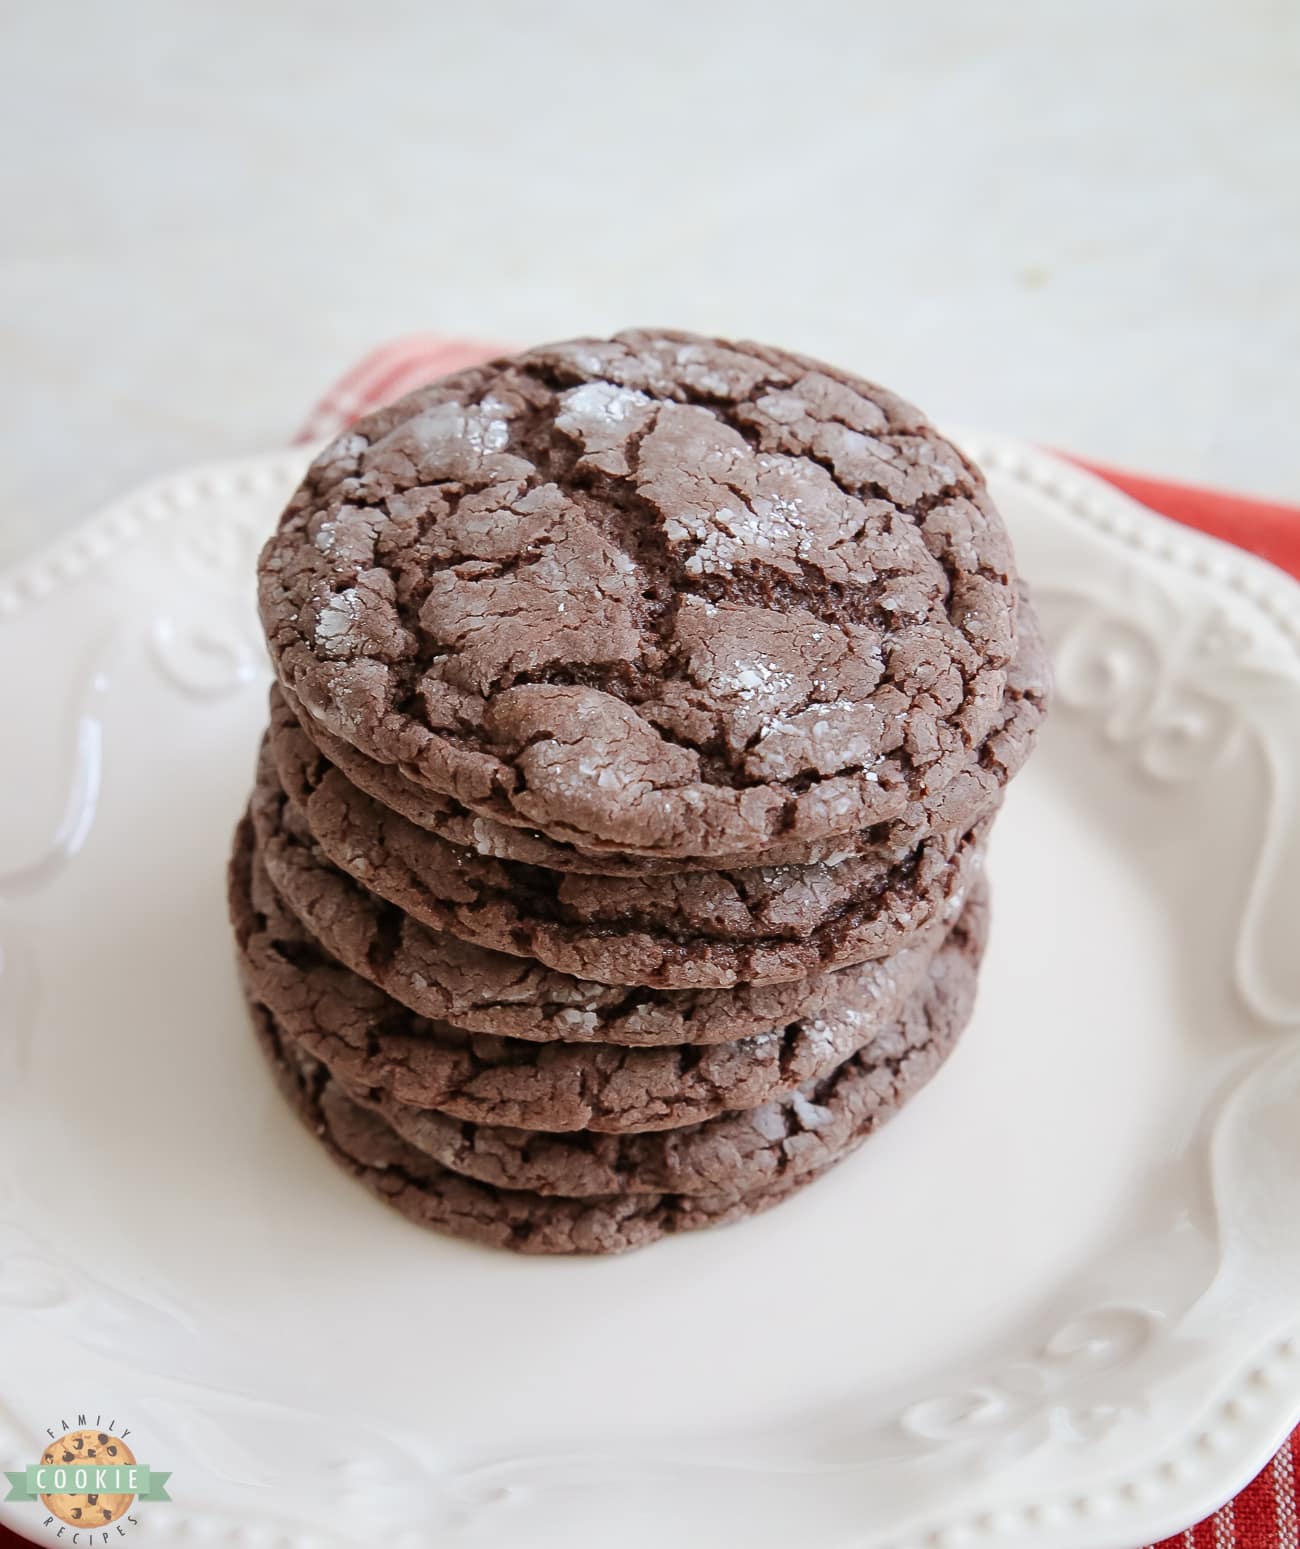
[[446, 979], [433, 1196], [708, 929], [660, 594], [804, 1130], [970, 795], [373, 1045]]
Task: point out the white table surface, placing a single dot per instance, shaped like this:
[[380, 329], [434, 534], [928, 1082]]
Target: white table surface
[[1077, 223]]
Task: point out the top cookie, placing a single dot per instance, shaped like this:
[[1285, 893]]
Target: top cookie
[[660, 593]]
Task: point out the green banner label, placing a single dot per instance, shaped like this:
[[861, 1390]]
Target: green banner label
[[136, 1479]]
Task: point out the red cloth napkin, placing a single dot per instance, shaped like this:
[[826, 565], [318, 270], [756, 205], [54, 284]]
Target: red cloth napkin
[[1266, 1515]]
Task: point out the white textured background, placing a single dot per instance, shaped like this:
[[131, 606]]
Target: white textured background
[[1075, 222]]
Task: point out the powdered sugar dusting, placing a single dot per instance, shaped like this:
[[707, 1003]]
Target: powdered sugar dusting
[[770, 526], [448, 439], [336, 623], [810, 1115], [485, 434], [597, 406], [587, 1020], [602, 416], [758, 678]]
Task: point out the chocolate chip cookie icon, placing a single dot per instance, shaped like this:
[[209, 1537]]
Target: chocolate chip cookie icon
[[87, 1449]]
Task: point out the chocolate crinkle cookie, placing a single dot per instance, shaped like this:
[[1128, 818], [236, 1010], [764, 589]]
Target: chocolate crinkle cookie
[[615, 860], [656, 593]]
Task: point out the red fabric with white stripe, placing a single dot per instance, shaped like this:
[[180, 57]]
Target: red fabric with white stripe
[[387, 373], [1265, 1515]]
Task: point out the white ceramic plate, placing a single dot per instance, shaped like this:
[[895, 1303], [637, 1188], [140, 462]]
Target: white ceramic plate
[[1056, 1302]]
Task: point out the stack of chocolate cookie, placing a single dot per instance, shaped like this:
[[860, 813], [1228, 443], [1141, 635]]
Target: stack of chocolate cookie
[[614, 865]]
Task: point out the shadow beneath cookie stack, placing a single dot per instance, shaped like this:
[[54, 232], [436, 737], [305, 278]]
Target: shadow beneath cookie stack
[[614, 865]]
